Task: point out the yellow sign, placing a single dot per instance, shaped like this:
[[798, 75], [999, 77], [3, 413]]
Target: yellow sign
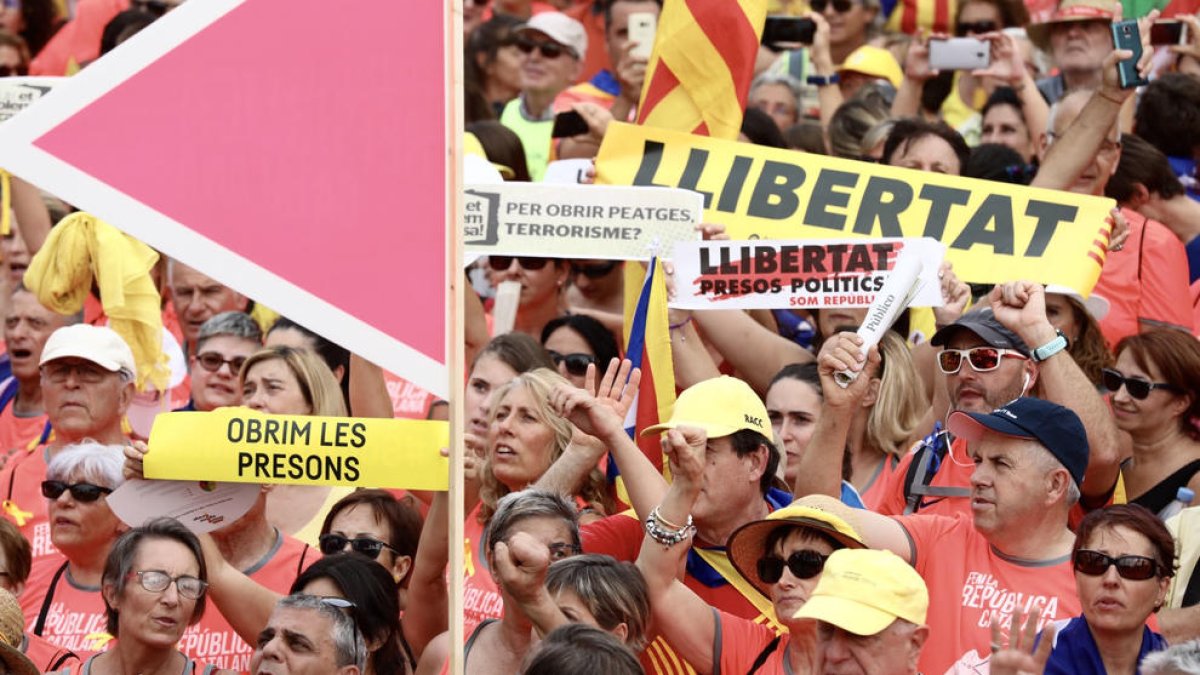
[[244, 446], [993, 232]]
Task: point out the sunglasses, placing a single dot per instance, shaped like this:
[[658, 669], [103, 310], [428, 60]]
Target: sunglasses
[[594, 271], [157, 581], [499, 263], [965, 28], [1137, 387], [1132, 567], [336, 543], [982, 359], [80, 492], [13, 71], [803, 564], [155, 7], [577, 364], [212, 362], [839, 6], [549, 50]]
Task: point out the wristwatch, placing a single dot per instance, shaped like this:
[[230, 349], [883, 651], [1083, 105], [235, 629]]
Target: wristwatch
[[824, 80], [1051, 348]]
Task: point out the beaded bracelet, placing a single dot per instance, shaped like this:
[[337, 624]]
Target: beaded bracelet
[[664, 536]]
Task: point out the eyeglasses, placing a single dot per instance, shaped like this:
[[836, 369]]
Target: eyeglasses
[[80, 492], [549, 49], [803, 564], [576, 363], [965, 28], [839, 6], [157, 581], [336, 543], [87, 373], [594, 271], [212, 362], [1137, 387], [1132, 567], [562, 550], [499, 263], [982, 359], [11, 71]]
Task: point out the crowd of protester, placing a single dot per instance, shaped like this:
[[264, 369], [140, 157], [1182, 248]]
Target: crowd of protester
[[1003, 488]]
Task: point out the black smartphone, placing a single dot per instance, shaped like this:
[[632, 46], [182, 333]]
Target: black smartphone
[[567, 124], [1167, 32], [783, 29], [1127, 36]]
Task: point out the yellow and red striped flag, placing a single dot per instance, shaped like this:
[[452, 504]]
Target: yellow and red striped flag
[[700, 70]]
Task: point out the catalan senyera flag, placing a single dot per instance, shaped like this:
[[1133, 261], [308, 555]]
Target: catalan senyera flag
[[700, 70], [648, 346]]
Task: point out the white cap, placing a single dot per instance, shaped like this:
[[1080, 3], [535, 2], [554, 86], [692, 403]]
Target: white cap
[[1096, 305], [562, 29], [99, 344]]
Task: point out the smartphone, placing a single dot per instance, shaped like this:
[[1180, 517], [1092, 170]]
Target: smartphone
[[959, 54], [1168, 32], [642, 27], [567, 124], [785, 29], [1127, 36]]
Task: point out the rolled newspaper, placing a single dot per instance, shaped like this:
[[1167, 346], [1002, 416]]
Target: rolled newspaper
[[901, 285], [504, 310]]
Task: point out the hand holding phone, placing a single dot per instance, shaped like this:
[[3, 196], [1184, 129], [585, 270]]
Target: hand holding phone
[[959, 54], [1127, 36], [642, 27], [1168, 32], [779, 30], [567, 124]]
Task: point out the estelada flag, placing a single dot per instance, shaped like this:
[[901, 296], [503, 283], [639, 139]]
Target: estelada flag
[[702, 64]]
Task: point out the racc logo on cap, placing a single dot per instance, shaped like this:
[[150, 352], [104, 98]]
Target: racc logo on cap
[[753, 420]]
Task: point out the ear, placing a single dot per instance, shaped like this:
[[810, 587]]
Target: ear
[[349, 670], [401, 567], [916, 642], [242, 301], [620, 632], [758, 462], [1043, 146], [18, 588], [109, 591], [1059, 479], [561, 272], [125, 398], [872, 394], [1139, 197], [1180, 404], [339, 373]]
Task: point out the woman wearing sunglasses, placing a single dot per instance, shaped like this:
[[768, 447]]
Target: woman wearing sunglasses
[[780, 557], [62, 600], [1124, 559], [576, 341], [542, 288], [1156, 400], [154, 586]]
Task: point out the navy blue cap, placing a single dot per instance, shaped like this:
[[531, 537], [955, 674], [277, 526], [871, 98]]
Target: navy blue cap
[[982, 322], [1056, 428]]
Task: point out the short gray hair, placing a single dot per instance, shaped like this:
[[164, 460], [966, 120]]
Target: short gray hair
[[96, 462], [517, 506], [230, 324], [786, 80], [349, 646], [1180, 659]]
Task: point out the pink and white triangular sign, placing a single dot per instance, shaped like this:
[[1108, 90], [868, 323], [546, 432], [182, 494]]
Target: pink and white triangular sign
[[295, 150]]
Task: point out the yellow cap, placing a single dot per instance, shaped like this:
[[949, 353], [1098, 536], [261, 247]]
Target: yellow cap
[[720, 406], [876, 62], [863, 591]]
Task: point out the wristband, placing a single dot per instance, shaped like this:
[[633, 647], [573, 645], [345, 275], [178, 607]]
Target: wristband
[[657, 530], [824, 80], [1051, 348]]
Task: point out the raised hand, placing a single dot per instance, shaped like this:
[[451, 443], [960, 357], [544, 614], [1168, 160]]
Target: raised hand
[[843, 351], [590, 415], [1021, 307], [1020, 657], [686, 448], [521, 564], [955, 295]]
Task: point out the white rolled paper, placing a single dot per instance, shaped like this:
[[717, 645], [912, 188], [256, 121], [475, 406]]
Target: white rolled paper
[[893, 298]]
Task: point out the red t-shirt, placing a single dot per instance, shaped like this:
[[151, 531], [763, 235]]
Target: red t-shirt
[[46, 655], [1147, 279], [878, 489], [955, 471], [742, 641], [17, 433], [213, 640], [481, 595], [75, 617], [970, 583], [21, 482]]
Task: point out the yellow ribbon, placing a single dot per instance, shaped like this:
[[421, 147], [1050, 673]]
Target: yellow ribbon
[[468, 559], [19, 517], [5, 203]]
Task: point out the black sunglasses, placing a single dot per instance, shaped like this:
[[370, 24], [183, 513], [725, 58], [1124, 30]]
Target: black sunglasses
[[336, 543], [576, 363], [1137, 387], [13, 71], [965, 28], [499, 263], [549, 50], [1132, 567], [80, 492], [155, 7], [839, 6], [803, 564], [594, 271]]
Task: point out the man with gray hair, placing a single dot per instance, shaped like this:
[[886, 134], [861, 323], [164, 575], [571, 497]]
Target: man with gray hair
[[1180, 659], [223, 344], [87, 379], [308, 635], [197, 298]]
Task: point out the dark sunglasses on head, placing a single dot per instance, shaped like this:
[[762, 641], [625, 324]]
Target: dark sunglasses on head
[[1137, 387], [499, 263], [594, 271], [839, 6], [803, 564], [982, 359], [1132, 567], [549, 49], [80, 492], [13, 71], [576, 363], [212, 362], [965, 28], [336, 543]]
